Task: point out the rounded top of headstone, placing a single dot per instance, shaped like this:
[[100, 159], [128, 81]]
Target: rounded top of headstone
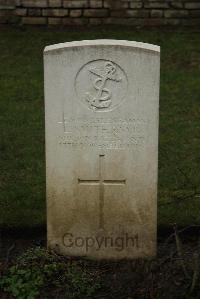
[[103, 42]]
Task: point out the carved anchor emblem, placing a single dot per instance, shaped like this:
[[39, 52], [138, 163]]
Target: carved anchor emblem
[[102, 98]]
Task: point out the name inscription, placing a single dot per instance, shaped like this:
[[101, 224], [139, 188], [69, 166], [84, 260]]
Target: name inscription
[[111, 133]]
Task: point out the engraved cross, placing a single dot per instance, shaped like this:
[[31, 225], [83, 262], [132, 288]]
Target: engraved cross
[[101, 183]]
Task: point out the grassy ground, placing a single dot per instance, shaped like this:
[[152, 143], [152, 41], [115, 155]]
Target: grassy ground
[[22, 196]]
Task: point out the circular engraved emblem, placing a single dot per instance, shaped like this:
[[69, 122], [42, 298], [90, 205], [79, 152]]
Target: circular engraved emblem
[[101, 85]]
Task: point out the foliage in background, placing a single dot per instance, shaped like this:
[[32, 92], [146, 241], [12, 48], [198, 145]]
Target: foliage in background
[[22, 163], [38, 270]]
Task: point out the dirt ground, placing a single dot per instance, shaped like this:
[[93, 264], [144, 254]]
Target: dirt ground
[[174, 273]]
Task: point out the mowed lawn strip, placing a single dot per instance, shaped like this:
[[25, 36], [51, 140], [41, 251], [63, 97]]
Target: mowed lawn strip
[[22, 151]]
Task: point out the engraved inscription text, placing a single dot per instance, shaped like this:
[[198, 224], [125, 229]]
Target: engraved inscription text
[[103, 133]]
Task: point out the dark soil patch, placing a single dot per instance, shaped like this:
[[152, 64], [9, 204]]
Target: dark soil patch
[[174, 273]]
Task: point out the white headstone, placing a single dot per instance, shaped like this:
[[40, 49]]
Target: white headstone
[[101, 104]]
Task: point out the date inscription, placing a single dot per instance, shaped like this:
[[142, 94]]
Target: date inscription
[[104, 133]]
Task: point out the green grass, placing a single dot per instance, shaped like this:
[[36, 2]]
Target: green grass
[[22, 163]]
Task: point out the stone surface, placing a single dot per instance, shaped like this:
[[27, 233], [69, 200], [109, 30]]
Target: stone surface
[[192, 5], [142, 13], [74, 21], [21, 11], [55, 12], [113, 4], [75, 13], [162, 4], [95, 21], [55, 3], [75, 3], [7, 4], [96, 3], [156, 13], [136, 4], [176, 4], [95, 12], [34, 11], [33, 3], [54, 21], [101, 114], [175, 13], [34, 20]]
